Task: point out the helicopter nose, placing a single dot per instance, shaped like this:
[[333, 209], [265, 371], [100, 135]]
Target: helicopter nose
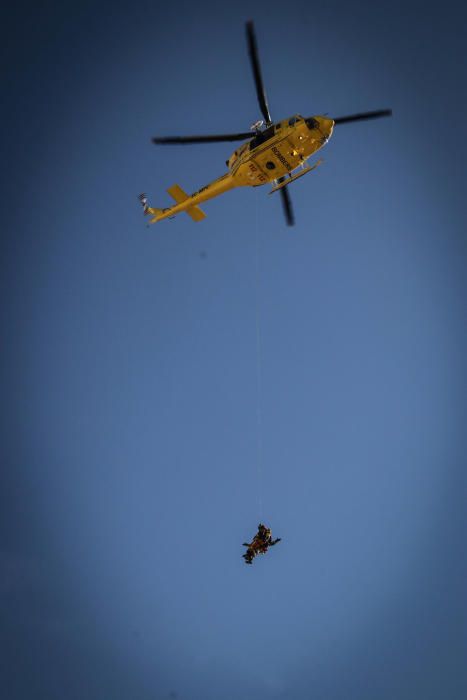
[[326, 126], [322, 124]]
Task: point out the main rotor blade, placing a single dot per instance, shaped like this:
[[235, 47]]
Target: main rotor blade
[[211, 138], [254, 58], [363, 115], [287, 206]]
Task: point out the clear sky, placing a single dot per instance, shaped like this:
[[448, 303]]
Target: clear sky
[[129, 463]]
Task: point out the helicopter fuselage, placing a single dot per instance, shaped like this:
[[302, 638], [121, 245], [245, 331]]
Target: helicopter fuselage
[[279, 150], [271, 154]]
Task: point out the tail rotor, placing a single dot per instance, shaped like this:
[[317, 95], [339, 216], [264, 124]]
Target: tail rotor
[[143, 198]]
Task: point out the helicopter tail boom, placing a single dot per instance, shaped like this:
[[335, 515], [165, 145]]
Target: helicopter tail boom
[[153, 211], [177, 193], [157, 214], [189, 203]]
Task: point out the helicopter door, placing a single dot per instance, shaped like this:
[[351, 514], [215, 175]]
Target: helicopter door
[[262, 136]]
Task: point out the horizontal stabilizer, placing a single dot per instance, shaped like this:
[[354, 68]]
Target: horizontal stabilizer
[[196, 213], [178, 194]]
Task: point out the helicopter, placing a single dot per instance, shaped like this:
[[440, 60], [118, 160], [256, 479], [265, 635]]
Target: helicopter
[[276, 154]]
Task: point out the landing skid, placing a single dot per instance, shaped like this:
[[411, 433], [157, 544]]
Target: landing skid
[[304, 170]]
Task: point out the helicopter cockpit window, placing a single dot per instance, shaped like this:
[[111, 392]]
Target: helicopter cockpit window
[[292, 121]]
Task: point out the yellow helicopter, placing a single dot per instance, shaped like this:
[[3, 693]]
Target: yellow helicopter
[[275, 154]]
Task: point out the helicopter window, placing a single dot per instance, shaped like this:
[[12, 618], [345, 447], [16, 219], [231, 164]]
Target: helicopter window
[[311, 123], [261, 137], [292, 121]]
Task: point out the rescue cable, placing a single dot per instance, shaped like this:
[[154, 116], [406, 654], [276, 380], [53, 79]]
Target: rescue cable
[[259, 416]]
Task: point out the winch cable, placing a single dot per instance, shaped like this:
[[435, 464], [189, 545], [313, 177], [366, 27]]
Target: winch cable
[[259, 415]]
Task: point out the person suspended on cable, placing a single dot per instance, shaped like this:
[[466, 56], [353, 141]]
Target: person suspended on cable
[[259, 544]]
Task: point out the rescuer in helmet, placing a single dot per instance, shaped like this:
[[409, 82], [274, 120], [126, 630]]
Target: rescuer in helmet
[[259, 544]]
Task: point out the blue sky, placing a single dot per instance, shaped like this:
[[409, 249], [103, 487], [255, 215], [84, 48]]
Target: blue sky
[[129, 359]]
